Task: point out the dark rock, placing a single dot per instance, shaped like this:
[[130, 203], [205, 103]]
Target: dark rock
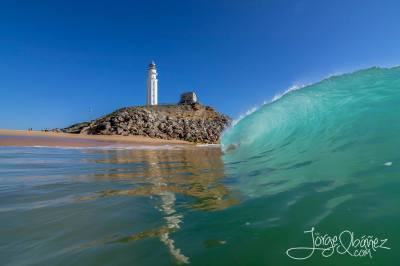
[[191, 122]]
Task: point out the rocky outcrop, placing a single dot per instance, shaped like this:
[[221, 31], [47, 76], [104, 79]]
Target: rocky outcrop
[[194, 123]]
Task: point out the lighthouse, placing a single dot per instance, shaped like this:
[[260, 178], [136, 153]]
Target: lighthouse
[[152, 85]]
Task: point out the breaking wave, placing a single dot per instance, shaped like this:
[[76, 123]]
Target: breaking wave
[[341, 127]]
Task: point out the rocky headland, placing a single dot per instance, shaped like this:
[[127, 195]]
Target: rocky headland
[[190, 122]]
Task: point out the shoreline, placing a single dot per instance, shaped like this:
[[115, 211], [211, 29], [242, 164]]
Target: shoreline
[[24, 138]]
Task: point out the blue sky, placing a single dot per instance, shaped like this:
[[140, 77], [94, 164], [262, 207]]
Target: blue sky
[[63, 62]]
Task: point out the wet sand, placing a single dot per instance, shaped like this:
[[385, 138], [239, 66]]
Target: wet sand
[[53, 139]]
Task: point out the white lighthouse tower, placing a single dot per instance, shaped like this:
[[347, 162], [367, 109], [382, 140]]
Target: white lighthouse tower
[[152, 85]]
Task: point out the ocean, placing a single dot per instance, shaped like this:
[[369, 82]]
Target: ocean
[[311, 178]]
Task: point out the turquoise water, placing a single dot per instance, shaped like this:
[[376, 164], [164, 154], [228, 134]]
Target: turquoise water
[[324, 156]]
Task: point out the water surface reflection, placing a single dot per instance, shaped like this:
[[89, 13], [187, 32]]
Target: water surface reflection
[[194, 173]]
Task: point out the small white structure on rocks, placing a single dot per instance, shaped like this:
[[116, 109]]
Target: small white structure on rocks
[[188, 98], [152, 85]]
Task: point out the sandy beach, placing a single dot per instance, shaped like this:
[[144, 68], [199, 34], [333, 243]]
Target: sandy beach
[[53, 139]]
